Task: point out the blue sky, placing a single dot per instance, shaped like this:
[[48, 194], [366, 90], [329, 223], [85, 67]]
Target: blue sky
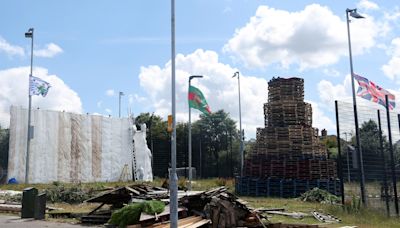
[[90, 50]]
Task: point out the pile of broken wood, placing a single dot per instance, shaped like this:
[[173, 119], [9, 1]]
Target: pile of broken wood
[[213, 208]]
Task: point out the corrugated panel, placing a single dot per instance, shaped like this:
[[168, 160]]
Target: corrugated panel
[[69, 147]]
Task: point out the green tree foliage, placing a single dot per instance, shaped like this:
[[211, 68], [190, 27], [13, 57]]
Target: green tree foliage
[[217, 131], [154, 123], [4, 144], [215, 135], [369, 136], [371, 150]]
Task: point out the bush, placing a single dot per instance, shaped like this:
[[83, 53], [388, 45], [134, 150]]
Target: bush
[[59, 192], [319, 195], [11, 197], [130, 214], [152, 207], [353, 205]]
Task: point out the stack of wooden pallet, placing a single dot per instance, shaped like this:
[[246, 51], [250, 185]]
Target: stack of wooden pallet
[[288, 147]]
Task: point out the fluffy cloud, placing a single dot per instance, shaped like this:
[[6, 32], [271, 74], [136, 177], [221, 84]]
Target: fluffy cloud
[[310, 38], [391, 68], [10, 49], [218, 86], [110, 92], [320, 120], [367, 5], [328, 92], [49, 51], [14, 91]]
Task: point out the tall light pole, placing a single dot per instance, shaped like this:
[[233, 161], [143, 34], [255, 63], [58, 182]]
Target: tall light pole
[[190, 136], [29, 34], [353, 13], [240, 126], [173, 197], [119, 104]]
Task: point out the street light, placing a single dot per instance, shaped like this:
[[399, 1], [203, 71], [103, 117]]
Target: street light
[[240, 126], [29, 34], [190, 137], [173, 178], [353, 13], [119, 106]]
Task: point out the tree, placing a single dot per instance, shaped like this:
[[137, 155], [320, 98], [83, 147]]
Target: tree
[[371, 151], [4, 145], [156, 126], [215, 131]]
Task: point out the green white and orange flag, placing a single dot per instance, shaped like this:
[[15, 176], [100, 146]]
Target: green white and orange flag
[[198, 101]]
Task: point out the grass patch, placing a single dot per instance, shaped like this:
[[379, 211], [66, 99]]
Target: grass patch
[[362, 217]]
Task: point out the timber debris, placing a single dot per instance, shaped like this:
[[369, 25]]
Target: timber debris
[[214, 208]]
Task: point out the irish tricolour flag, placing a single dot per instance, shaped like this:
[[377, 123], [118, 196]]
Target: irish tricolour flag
[[197, 100]]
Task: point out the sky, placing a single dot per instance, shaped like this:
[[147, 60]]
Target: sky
[[91, 50]]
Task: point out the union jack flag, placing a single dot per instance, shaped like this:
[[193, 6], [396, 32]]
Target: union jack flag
[[372, 92]]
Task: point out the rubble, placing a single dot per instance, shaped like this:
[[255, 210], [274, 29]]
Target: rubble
[[325, 217], [216, 207], [295, 215]]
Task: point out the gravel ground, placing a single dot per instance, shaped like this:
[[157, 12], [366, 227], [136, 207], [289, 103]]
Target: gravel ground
[[11, 221]]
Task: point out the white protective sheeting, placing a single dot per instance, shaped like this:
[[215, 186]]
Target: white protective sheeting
[[70, 147], [143, 170]]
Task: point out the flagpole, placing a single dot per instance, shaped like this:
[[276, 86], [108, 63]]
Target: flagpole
[[190, 135], [353, 13], [240, 128], [29, 34], [173, 197]]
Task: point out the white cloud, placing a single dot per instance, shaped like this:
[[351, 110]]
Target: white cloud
[[328, 92], [10, 49], [14, 91], [320, 120], [310, 38], [110, 92], [218, 86], [331, 72], [391, 69], [135, 97], [367, 5], [109, 111], [49, 51]]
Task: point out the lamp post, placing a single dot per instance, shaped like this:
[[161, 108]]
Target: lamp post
[[119, 106], [240, 126], [190, 137], [353, 13], [29, 34], [173, 197]]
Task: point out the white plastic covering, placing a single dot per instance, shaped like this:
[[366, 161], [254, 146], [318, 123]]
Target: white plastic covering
[[143, 155], [71, 147]]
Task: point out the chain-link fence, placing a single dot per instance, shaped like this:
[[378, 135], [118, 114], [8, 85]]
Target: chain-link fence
[[378, 161]]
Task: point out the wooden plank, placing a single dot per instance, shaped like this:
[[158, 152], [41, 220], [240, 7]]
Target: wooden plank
[[10, 207], [187, 220], [199, 223]]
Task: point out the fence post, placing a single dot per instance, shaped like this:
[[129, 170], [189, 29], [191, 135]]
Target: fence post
[[383, 164], [394, 179], [339, 158]]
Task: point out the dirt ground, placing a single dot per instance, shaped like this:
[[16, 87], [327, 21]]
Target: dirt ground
[[13, 221]]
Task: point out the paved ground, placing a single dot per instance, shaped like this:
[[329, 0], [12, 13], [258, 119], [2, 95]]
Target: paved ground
[[10, 221]]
